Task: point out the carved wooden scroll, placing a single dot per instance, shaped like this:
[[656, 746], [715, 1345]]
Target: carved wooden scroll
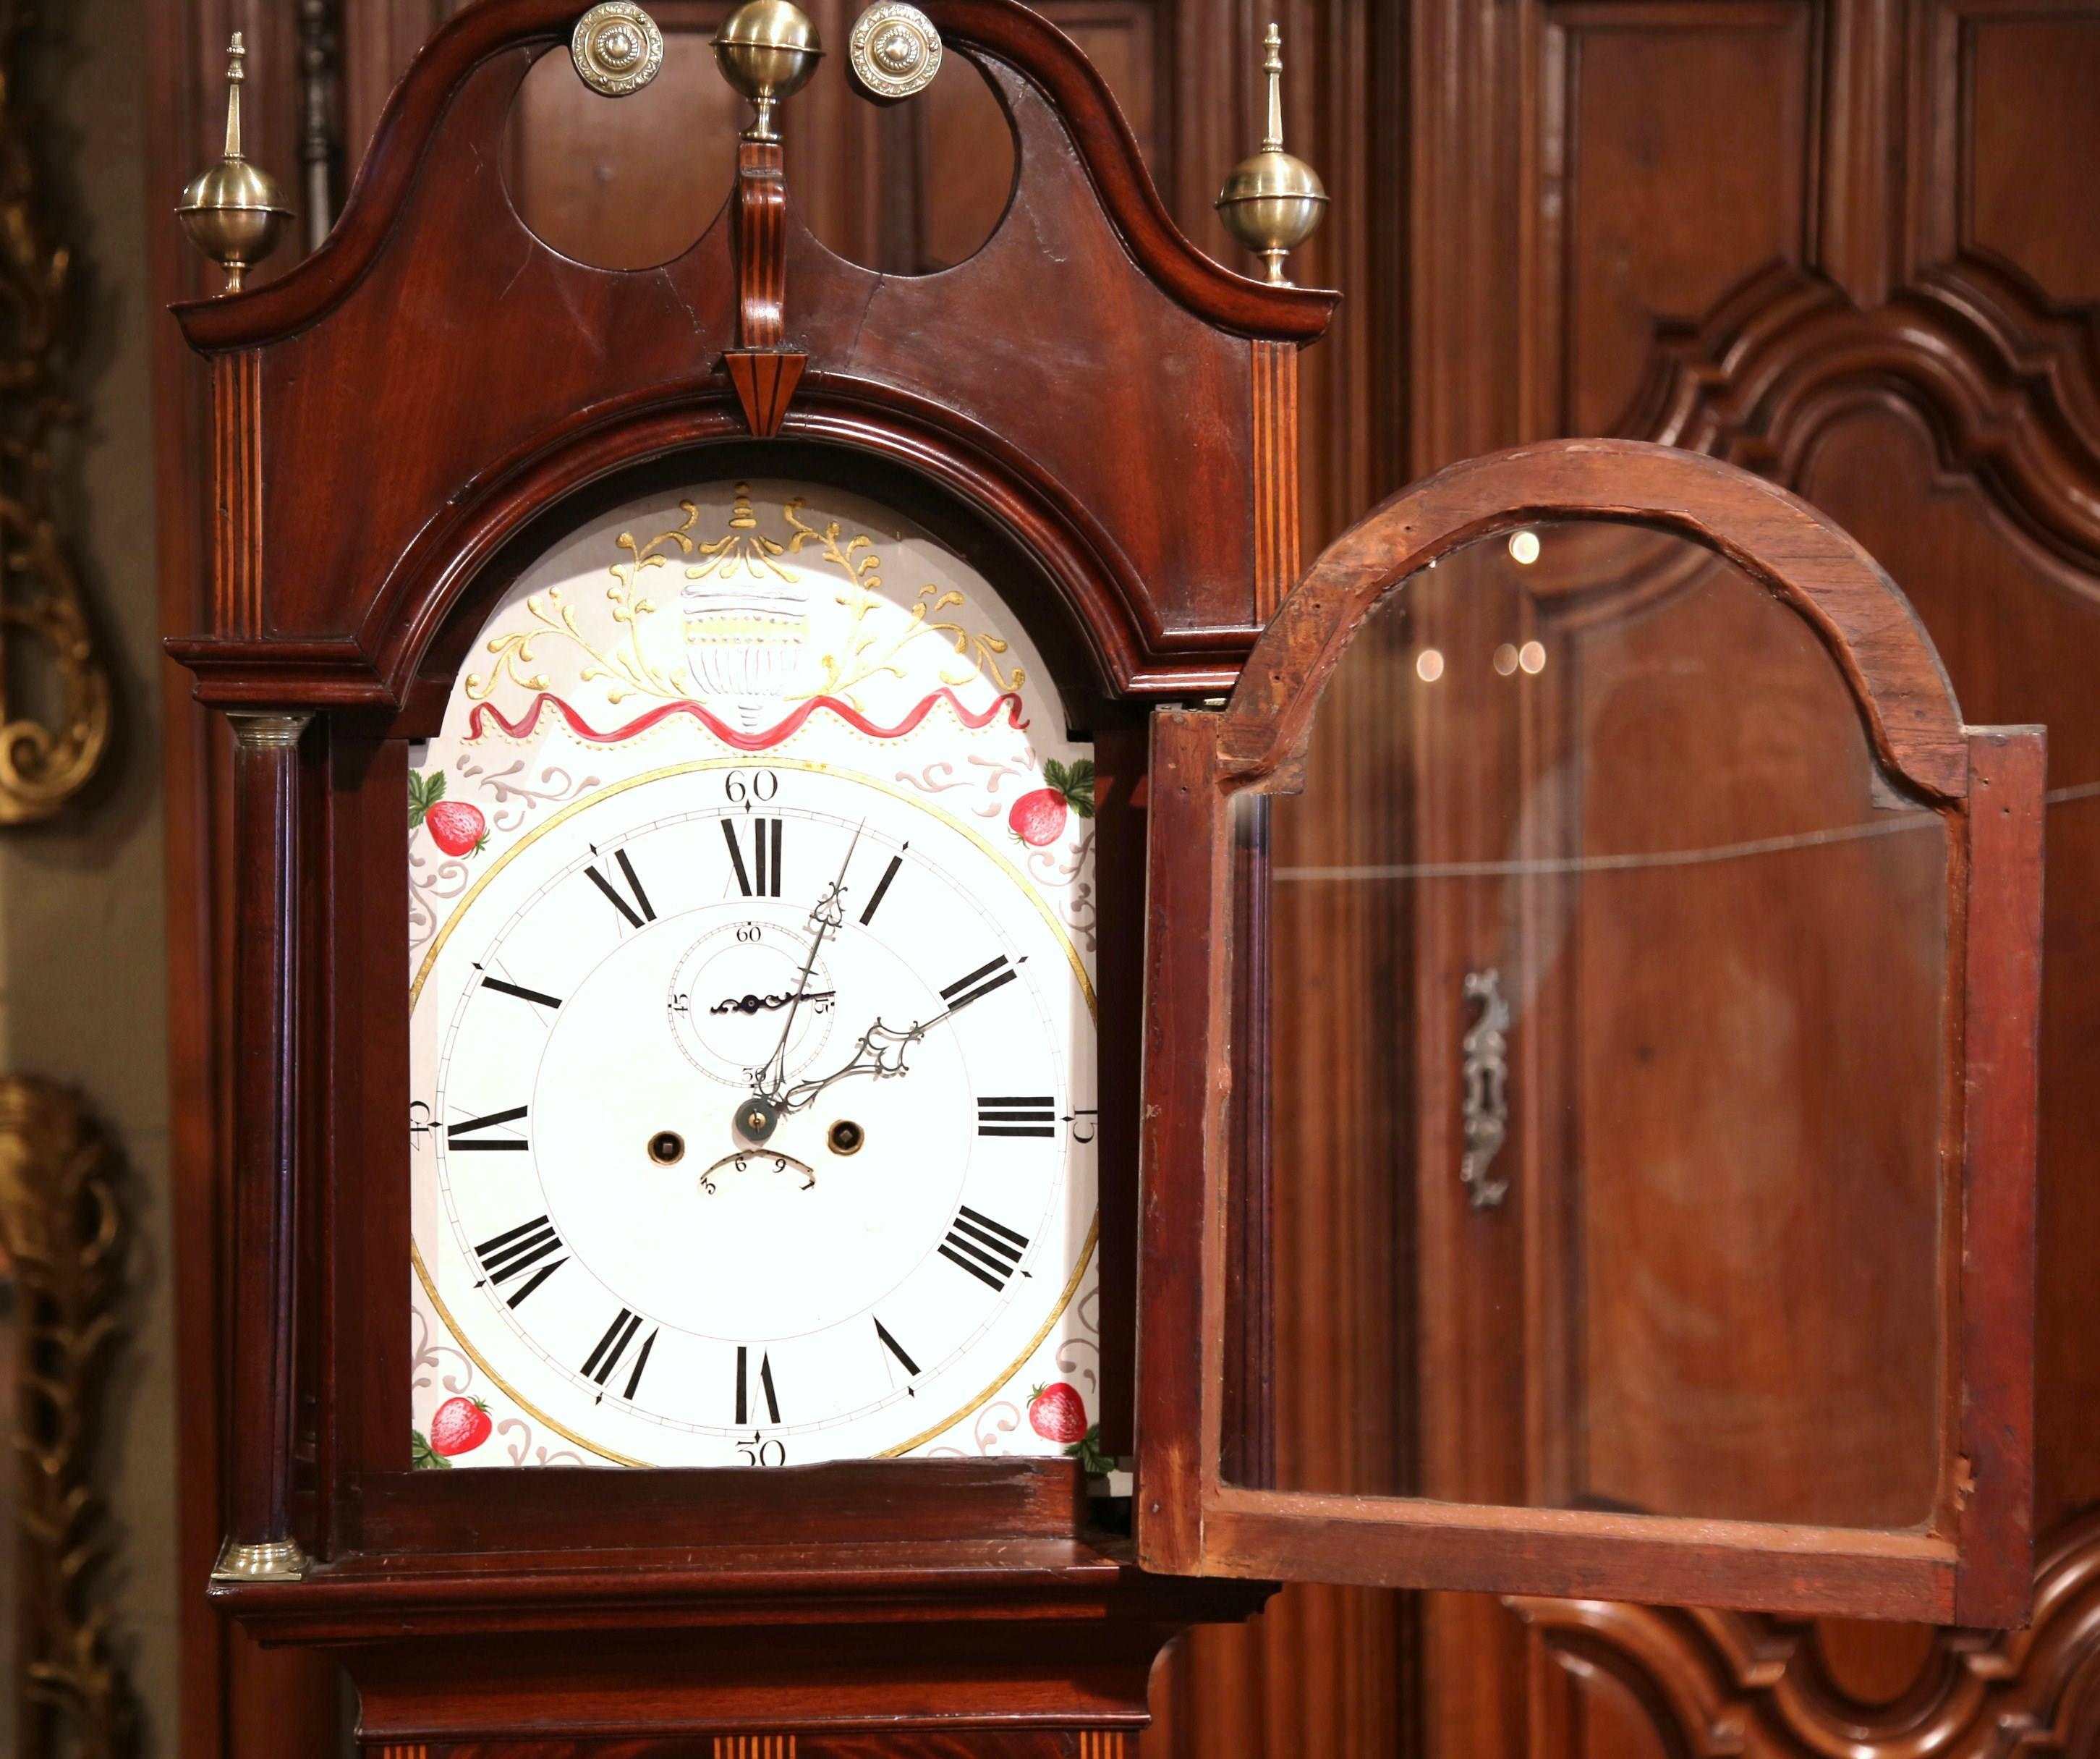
[[46, 757], [764, 372]]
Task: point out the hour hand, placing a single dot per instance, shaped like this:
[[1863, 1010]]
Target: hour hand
[[880, 1052]]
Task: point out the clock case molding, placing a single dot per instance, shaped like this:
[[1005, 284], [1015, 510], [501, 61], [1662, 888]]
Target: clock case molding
[[408, 416]]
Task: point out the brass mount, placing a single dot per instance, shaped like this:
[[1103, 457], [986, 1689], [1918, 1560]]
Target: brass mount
[[276, 1560], [617, 48]]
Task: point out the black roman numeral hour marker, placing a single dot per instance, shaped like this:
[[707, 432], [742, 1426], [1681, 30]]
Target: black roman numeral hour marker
[[521, 992], [647, 912], [743, 1387], [881, 889], [461, 1136], [1034, 1115], [981, 981], [759, 877], [612, 1347], [511, 1254], [988, 1250], [894, 1348]]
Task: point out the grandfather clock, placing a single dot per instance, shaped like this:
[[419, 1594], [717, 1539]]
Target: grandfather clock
[[787, 1016]]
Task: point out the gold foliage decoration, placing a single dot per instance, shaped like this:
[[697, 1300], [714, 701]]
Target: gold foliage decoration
[[863, 654], [61, 1227], [626, 668], [869, 649], [41, 765]]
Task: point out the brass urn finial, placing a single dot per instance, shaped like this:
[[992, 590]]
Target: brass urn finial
[[767, 50], [1273, 201], [233, 211]]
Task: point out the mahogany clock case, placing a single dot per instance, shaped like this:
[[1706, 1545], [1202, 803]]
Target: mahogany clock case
[[402, 422]]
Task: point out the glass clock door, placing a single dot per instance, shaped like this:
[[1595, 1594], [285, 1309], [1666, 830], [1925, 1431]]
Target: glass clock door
[[1596, 1154]]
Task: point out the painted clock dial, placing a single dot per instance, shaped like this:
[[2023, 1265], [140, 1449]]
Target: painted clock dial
[[753, 1037]]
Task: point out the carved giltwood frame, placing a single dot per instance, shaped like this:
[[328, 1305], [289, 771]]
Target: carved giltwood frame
[[62, 1232]]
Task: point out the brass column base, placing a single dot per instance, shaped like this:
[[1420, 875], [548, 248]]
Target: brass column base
[[275, 1560]]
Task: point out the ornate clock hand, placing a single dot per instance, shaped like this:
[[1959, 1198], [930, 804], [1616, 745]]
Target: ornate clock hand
[[824, 920], [880, 1052], [764, 1004]]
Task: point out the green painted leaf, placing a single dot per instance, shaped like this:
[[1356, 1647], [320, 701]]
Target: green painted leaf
[[424, 793], [1087, 1452]]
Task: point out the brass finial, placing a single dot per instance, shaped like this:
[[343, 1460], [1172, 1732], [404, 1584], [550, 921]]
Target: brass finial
[[233, 211], [1273, 201], [767, 50]]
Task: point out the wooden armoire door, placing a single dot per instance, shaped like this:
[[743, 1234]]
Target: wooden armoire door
[[1846, 245]]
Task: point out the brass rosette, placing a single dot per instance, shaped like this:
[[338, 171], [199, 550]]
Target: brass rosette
[[894, 52], [617, 48]]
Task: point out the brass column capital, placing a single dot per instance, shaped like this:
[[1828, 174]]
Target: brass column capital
[[268, 729]]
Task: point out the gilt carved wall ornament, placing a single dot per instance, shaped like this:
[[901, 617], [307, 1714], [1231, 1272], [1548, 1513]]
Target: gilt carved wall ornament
[[44, 761], [63, 1232]]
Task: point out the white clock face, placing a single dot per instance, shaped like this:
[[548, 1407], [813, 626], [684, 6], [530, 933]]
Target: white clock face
[[753, 1087]]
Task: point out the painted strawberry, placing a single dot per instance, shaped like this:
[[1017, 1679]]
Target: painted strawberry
[[1057, 1413], [1038, 818], [459, 1426], [455, 827]]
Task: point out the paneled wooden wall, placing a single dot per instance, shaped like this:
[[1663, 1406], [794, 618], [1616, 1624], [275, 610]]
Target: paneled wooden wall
[[1847, 242]]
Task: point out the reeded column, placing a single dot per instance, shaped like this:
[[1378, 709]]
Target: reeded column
[[266, 941]]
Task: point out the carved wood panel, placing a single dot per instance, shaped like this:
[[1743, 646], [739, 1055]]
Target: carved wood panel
[[1856, 265]]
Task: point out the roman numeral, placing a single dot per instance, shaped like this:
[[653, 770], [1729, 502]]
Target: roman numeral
[[759, 877], [743, 1387], [461, 1137], [981, 981], [988, 1250], [612, 1347], [511, 1254], [895, 1349], [1035, 1115], [521, 992], [647, 913], [882, 888]]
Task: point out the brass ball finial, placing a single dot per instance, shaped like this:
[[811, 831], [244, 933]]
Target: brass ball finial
[[767, 50], [1274, 202], [233, 211]]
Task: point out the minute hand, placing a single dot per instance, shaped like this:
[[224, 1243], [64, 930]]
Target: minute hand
[[824, 920]]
